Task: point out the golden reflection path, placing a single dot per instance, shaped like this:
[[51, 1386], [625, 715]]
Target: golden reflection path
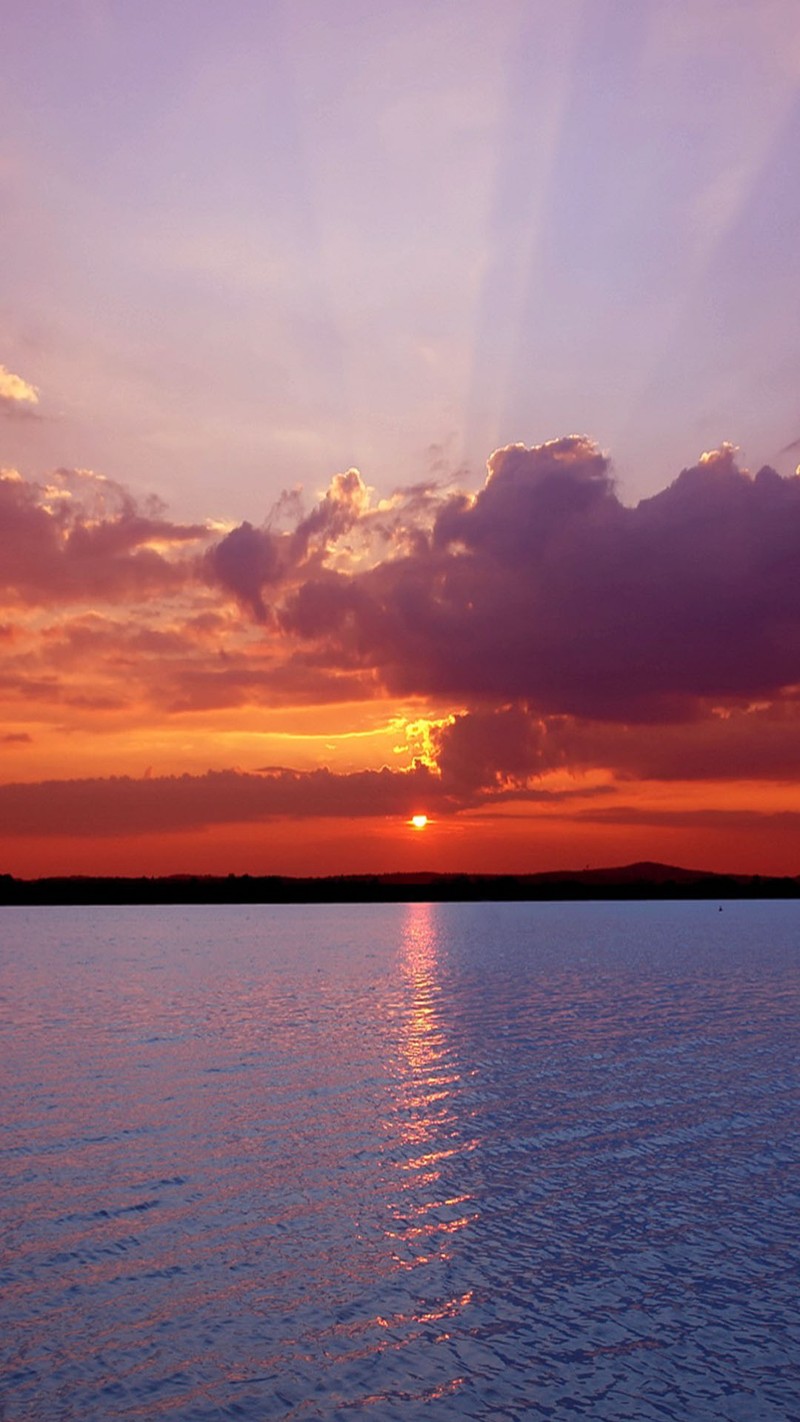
[[429, 1207]]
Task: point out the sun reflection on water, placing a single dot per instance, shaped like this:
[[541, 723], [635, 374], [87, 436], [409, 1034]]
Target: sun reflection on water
[[427, 1211]]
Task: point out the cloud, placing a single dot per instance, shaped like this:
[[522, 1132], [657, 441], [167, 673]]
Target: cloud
[[509, 747], [743, 743], [545, 588], [767, 822], [84, 537], [562, 629], [187, 688], [250, 561], [490, 750], [17, 396], [121, 805]]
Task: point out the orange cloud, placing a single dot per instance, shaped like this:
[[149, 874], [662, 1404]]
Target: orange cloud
[[17, 396], [557, 646]]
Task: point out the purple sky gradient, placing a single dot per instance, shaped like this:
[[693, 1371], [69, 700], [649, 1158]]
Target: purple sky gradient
[[276, 279], [247, 246]]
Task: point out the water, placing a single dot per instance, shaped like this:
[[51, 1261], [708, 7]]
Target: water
[[392, 1162]]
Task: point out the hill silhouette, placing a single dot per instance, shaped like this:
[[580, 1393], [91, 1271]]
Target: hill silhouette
[[645, 880]]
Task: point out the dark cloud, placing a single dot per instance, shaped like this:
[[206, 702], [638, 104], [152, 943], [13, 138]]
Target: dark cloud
[[546, 588], [155, 804], [121, 805], [501, 749], [543, 588], [250, 561], [743, 743], [657, 641], [85, 538], [491, 750]]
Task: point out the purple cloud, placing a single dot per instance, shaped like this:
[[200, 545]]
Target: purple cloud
[[84, 537], [546, 588]]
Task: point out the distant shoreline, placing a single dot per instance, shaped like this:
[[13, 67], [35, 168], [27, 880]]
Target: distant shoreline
[[629, 882]]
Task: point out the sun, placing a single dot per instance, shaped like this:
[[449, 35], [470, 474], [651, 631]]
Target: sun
[[419, 821]]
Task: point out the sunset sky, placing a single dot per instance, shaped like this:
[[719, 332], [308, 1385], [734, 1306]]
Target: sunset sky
[[399, 414]]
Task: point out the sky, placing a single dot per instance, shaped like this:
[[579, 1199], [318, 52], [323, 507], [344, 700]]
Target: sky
[[399, 414]]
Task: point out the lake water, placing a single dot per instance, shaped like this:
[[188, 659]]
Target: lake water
[[400, 1162]]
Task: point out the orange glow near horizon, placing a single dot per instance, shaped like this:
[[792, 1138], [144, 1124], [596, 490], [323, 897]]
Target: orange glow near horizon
[[691, 833], [311, 564], [154, 722]]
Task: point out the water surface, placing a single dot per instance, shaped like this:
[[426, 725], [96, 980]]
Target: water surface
[[400, 1161]]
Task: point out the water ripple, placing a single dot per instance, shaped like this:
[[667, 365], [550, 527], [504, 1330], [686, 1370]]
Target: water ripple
[[493, 1161]]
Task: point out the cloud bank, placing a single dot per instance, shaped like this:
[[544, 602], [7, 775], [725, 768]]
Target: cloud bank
[[125, 805], [545, 587], [552, 629]]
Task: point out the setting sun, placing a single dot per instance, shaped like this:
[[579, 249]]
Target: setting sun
[[419, 821]]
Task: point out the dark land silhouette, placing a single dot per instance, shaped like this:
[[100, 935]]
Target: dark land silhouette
[[631, 881]]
